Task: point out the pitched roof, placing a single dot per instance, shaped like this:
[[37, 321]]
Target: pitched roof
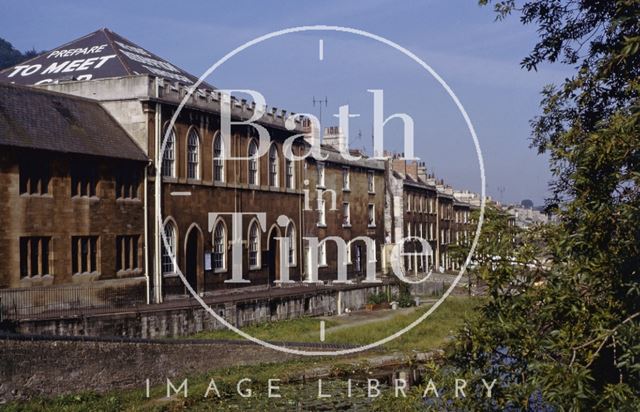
[[97, 55], [38, 119]]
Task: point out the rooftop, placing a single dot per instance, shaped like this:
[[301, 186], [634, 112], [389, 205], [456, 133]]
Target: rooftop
[[38, 119]]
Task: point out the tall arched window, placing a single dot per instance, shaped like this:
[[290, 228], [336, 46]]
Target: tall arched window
[[219, 246], [218, 162], [290, 171], [169, 155], [273, 166], [168, 268], [193, 154], [254, 245], [253, 163], [291, 237]]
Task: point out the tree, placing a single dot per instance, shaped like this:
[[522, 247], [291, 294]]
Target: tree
[[566, 333], [495, 246], [9, 56]]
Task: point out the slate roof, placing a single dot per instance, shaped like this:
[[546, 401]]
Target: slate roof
[[39, 119], [101, 54]]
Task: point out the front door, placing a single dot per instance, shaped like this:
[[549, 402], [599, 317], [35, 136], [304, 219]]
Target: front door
[[192, 260]]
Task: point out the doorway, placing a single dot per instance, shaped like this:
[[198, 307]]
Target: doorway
[[191, 272], [273, 256]]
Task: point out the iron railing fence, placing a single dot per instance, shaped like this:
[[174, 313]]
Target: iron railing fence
[[59, 301]]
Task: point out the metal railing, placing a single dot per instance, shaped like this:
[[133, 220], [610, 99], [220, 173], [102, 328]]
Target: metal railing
[[58, 301]]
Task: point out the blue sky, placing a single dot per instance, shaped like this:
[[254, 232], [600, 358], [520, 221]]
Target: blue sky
[[477, 57]]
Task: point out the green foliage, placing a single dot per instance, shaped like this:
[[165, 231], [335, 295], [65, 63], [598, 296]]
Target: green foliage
[[9, 56], [564, 320], [377, 298], [404, 297]]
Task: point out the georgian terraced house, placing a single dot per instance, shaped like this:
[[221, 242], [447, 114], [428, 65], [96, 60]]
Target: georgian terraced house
[[81, 147]]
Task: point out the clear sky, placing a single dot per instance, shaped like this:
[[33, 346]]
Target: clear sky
[[477, 57]]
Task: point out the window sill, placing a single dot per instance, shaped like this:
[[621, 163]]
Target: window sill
[[36, 277], [169, 275], [220, 270], [37, 195], [129, 273], [85, 198], [346, 225], [321, 225], [371, 226], [346, 189], [128, 200], [258, 267], [85, 276]]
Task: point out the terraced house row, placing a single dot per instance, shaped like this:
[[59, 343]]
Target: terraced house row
[[82, 203]]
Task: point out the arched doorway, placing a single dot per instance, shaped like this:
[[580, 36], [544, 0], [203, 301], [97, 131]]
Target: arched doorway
[[273, 255], [191, 261]]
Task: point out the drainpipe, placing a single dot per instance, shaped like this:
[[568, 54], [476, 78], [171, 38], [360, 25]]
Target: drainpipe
[[157, 266], [300, 232], [146, 238]]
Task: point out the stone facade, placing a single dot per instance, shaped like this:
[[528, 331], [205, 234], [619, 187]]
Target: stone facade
[[70, 220]]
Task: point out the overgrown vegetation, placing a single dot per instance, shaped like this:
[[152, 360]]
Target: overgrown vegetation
[[433, 333], [564, 332]]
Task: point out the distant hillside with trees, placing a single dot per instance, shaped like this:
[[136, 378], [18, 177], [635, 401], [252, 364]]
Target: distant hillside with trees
[[10, 56]]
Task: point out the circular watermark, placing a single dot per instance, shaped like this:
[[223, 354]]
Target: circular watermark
[[429, 70]]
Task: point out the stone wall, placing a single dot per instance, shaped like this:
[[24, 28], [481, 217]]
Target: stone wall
[[50, 368], [153, 322]]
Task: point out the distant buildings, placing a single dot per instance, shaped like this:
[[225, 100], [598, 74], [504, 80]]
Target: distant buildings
[[526, 217]]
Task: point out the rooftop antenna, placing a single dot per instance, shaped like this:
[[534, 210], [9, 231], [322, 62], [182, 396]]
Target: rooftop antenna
[[319, 103], [501, 190]]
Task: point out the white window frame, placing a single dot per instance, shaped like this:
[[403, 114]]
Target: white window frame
[[169, 155], [223, 250], [371, 209], [172, 241], [346, 214], [346, 179], [290, 233], [253, 173], [274, 166], [218, 159], [193, 155], [371, 182], [257, 265]]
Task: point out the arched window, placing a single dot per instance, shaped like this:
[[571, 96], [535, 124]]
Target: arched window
[[169, 155], [193, 154], [219, 246], [273, 166], [218, 162], [290, 177], [253, 163], [254, 245], [168, 268], [291, 237]]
